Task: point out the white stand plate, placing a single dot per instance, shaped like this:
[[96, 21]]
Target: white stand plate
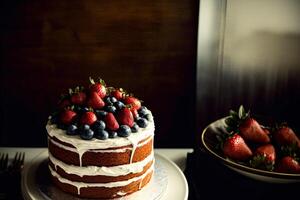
[[167, 183]]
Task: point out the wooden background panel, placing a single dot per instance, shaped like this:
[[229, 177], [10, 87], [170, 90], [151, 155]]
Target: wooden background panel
[[146, 47]]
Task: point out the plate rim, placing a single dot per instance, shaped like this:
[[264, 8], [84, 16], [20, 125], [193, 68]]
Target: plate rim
[[178, 170]]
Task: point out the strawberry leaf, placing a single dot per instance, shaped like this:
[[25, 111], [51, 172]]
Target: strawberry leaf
[[260, 162], [241, 112], [290, 150], [91, 80], [70, 91], [101, 81], [64, 96], [233, 113], [231, 122], [77, 89]]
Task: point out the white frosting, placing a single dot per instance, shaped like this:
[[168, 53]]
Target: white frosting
[[95, 144], [121, 150], [114, 171], [83, 145], [134, 146], [121, 193], [80, 185]]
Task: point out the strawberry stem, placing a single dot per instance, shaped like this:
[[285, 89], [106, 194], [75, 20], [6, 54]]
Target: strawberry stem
[[91, 80]]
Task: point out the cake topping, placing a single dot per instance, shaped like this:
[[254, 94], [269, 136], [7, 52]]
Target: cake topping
[[100, 112], [111, 122], [98, 87], [78, 96]]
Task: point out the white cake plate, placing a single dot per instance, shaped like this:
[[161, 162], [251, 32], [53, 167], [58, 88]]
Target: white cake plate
[[37, 185]]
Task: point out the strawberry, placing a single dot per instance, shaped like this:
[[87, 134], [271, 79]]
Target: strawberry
[[267, 151], [95, 101], [111, 122], [134, 113], [64, 103], [288, 165], [134, 102], [118, 93], [98, 87], [267, 131], [88, 118], [248, 127], [125, 117], [235, 148], [264, 157], [284, 135], [78, 96], [251, 130], [67, 116]]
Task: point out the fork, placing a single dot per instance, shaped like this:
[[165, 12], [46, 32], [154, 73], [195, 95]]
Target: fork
[[11, 179], [3, 161], [18, 162]]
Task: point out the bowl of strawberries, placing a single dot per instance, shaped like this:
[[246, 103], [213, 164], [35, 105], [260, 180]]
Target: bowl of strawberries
[[265, 152]]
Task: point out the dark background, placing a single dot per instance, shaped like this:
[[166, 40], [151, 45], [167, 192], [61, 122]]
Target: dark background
[[146, 47], [249, 54], [150, 49]]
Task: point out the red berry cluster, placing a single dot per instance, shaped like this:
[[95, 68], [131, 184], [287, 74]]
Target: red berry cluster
[[274, 148], [99, 109]]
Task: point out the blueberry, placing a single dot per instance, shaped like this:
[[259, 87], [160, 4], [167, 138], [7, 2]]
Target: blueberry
[[124, 131], [85, 109], [148, 117], [80, 109], [142, 122], [135, 128], [113, 99], [99, 124], [143, 111], [119, 105], [54, 120], [100, 113], [113, 134], [77, 108], [107, 100], [87, 134], [101, 134], [111, 109], [85, 127], [72, 130]]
